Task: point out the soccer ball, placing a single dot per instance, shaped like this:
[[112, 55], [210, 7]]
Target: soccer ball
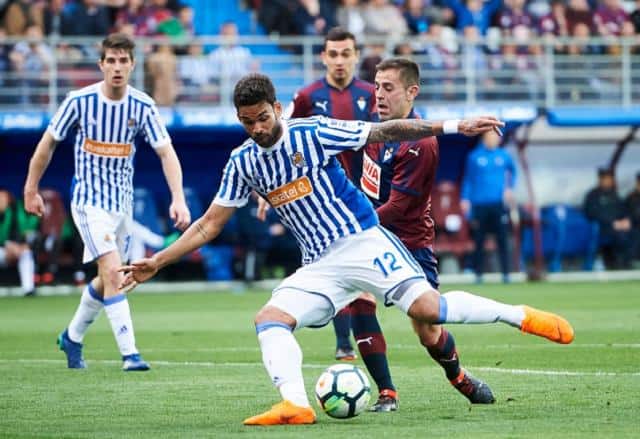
[[343, 391]]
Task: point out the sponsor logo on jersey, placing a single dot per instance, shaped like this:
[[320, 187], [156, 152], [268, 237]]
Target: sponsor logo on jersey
[[107, 149], [371, 175], [290, 192]]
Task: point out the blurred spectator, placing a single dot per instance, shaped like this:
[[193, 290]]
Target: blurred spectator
[[5, 62], [554, 24], [607, 211], [185, 18], [229, 61], [309, 19], [477, 13], [51, 16], [18, 17], [633, 208], [135, 15], [194, 71], [383, 18], [416, 17], [87, 17], [610, 18], [13, 249], [31, 60], [350, 17], [514, 16], [372, 55], [634, 17], [162, 67], [578, 12], [278, 16], [161, 19], [487, 187]]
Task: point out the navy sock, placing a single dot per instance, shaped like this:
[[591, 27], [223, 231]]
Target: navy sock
[[371, 342], [342, 326], [444, 352]]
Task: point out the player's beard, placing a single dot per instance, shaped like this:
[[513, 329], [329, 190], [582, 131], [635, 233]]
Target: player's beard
[[272, 138]]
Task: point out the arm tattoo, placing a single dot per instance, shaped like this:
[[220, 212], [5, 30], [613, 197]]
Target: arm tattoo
[[400, 130], [201, 231]]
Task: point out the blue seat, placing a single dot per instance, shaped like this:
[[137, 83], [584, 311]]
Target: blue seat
[[566, 233]]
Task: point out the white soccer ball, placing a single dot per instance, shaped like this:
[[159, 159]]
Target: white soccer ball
[[343, 391]]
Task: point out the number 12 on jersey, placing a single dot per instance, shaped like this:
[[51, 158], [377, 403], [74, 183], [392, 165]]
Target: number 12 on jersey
[[387, 263]]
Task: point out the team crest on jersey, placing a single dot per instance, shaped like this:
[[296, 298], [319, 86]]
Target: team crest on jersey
[[361, 103], [298, 160], [388, 152], [131, 123]]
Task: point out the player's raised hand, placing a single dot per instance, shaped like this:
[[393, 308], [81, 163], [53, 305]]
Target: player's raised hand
[[180, 215], [138, 272], [479, 125], [33, 203]]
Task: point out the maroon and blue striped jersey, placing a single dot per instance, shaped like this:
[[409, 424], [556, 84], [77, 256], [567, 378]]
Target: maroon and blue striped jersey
[[355, 102], [398, 178]]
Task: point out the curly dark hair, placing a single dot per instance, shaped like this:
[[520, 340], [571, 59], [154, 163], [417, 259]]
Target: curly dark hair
[[252, 89]]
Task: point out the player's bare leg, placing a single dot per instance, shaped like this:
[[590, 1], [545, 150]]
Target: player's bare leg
[[282, 357]]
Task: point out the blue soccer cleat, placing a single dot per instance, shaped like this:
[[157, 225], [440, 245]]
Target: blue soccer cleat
[[134, 362], [72, 350]]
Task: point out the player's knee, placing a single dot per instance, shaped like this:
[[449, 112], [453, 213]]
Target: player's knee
[[272, 314], [428, 334], [426, 308]]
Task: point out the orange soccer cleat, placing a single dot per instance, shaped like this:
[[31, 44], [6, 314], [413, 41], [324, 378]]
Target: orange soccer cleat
[[284, 413], [547, 325]]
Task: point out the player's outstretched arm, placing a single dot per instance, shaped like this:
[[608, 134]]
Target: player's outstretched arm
[[399, 130], [33, 202], [178, 210], [203, 230]]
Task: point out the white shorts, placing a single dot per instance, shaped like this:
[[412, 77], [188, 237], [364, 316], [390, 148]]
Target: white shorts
[[374, 261], [102, 232]]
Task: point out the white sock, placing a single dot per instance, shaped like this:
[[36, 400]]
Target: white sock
[[282, 358], [26, 269], [117, 309], [463, 307], [88, 310]]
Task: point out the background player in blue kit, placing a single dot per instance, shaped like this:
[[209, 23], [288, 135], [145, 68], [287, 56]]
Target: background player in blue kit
[[344, 249], [107, 116]]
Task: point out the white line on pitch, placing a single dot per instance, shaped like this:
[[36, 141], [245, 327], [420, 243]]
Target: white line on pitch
[[392, 346], [322, 366]]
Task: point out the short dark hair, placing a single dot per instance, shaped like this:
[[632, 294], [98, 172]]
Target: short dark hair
[[409, 70], [605, 172], [339, 34], [118, 41], [252, 89]]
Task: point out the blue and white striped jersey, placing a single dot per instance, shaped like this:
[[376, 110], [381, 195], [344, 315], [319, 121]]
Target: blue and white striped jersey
[[104, 145], [303, 181]]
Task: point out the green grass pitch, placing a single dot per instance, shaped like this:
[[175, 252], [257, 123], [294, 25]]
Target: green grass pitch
[[208, 376]]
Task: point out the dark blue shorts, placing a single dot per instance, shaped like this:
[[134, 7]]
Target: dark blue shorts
[[429, 264]]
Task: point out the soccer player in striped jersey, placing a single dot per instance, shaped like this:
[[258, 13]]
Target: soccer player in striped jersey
[[344, 249], [398, 178], [340, 95], [107, 116]]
